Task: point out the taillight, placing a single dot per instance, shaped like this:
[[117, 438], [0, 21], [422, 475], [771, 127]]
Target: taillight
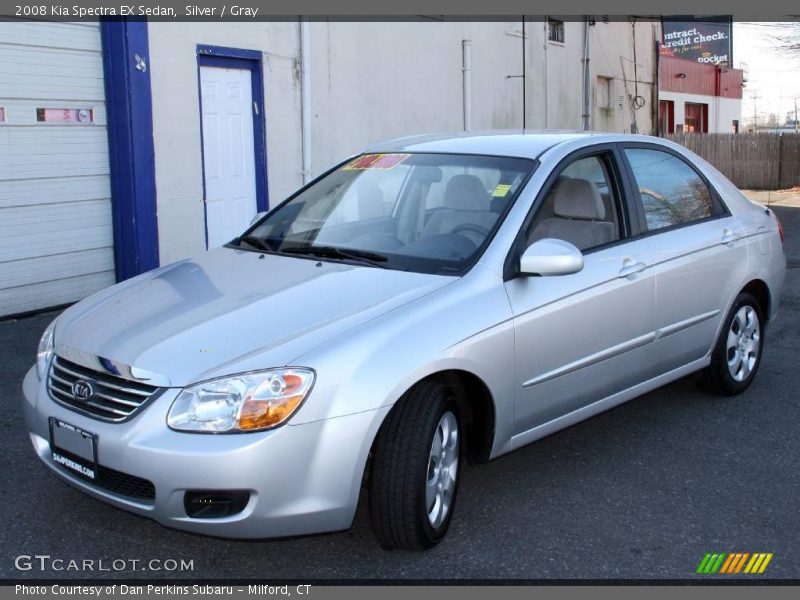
[[780, 230]]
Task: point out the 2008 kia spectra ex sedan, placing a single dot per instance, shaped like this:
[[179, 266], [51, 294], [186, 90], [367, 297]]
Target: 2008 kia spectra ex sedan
[[432, 300]]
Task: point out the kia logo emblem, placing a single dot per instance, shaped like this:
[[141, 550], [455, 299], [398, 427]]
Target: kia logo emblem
[[82, 390]]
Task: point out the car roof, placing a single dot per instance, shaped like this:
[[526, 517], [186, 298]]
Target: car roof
[[518, 143]]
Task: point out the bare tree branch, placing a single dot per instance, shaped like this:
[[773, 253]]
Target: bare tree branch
[[785, 35]]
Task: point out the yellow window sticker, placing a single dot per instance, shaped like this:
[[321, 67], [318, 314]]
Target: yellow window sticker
[[501, 190], [376, 161]]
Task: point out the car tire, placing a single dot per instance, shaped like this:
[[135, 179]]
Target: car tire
[[737, 353], [415, 468]]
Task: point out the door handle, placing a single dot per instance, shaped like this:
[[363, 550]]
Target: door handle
[[728, 237], [631, 267]]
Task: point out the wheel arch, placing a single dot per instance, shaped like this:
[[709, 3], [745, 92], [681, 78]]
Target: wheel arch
[[760, 289], [477, 407], [476, 404]]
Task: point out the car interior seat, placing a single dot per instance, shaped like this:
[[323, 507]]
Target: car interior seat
[[466, 202], [578, 216]]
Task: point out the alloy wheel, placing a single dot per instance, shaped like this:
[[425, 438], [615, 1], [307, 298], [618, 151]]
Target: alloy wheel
[[743, 343], [442, 469]]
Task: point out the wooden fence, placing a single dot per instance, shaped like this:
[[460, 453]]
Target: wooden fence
[[752, 161]]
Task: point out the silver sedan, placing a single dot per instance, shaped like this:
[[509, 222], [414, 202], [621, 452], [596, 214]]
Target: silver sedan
[[430, 301]]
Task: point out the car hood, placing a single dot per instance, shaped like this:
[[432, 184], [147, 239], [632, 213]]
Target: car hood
[[201, 317]]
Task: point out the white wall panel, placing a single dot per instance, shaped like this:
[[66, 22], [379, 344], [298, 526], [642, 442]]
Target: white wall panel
[[31, 271], [51, 293], [54, 190]]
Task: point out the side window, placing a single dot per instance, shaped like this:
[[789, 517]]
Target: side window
[[672, 193], [580, 207]]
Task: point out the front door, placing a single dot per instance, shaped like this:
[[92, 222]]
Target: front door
[[583, 337], [228, 152]]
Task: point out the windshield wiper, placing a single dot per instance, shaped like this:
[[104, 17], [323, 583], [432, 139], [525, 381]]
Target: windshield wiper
[[371, 258], [256, 242]]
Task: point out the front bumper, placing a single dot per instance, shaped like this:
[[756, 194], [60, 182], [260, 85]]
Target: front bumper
[[302, 478]]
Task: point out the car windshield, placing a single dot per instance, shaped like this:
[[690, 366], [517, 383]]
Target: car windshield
[[430, 213]]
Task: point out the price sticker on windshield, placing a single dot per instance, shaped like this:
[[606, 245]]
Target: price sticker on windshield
[[382, 162], [501, 190]]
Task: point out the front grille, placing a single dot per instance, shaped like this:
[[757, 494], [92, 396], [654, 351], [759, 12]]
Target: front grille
[[111, 480], [112, 398]]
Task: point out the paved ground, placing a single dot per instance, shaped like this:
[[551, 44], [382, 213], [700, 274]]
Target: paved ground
[[642, 491]]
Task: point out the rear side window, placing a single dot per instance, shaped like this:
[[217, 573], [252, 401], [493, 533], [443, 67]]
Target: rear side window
[[671, 192]]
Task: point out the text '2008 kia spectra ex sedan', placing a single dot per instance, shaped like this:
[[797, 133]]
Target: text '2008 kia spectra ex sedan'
[[430, 301]]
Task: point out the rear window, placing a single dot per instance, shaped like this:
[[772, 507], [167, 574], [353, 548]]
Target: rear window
[[672, 193]]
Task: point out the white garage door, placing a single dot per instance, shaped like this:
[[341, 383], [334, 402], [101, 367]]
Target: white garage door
[[56, 243]]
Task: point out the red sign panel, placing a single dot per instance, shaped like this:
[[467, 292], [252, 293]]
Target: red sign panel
[[64, 115]]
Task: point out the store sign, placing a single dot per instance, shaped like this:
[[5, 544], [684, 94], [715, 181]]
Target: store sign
[[706, 42], [64, 115]]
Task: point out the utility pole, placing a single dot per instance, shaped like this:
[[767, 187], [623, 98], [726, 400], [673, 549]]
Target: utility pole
[[754, 97]]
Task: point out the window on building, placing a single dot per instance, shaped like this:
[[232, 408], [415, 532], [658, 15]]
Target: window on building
[[695, 118], [672, 193], [603, 92], [735, 126], [555, 30]]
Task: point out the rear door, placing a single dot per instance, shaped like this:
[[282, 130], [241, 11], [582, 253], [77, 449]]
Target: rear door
[[697, 251], [583, 337]]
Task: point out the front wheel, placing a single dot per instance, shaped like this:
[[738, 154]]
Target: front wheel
[[737, 355], [415, 468]]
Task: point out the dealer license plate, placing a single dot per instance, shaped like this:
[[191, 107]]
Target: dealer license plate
[[73, 448]]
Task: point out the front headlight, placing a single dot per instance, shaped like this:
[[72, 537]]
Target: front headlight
[[45, 350], [247, 402]]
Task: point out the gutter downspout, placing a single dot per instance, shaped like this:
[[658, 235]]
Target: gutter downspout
[[717, 98], [656, 116], [586, 74], [524, 78], [305, 96], [546, 92], [466, 76]]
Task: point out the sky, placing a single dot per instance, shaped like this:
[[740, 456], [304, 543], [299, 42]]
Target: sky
[[772, 75]]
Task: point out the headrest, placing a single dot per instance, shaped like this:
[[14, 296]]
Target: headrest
[[578, 199], [466, 192]]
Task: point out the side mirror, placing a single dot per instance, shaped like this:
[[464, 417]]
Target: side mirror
[[550, 256], [257, 217]]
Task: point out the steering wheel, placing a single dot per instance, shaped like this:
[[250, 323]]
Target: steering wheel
[[473, 228]]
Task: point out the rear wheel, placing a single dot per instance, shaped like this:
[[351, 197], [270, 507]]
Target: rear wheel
[[415, 467], [737, 355]]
